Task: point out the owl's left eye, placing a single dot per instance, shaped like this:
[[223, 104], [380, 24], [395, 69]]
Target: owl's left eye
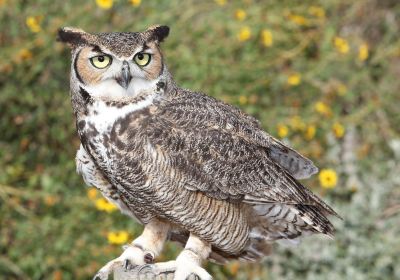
[[142, 59], [101, 61]]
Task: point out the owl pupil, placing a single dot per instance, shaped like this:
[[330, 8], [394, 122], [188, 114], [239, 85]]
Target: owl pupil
[[101, 58], [140, 56]]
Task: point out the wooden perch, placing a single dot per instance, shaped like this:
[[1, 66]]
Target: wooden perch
[[146, 272]]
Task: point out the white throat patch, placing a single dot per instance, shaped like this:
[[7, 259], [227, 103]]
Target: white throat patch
[[103, 116]]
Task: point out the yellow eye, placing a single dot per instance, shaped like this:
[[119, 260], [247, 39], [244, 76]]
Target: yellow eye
[[142, 59], [101, 61]]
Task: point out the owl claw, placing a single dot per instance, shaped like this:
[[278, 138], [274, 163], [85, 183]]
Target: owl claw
[[148, 257], [101, 276], [199, 273], [106, 270], [130, 258], [127, 265], [188, 264], [184, 269]]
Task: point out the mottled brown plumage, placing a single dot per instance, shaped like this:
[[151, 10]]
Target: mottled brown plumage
[[182, 158]]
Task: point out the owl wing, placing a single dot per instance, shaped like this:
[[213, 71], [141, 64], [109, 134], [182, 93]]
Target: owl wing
[[192, 105], [216, 149]]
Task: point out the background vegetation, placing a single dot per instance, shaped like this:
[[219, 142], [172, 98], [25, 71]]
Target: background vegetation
[[322, 75]]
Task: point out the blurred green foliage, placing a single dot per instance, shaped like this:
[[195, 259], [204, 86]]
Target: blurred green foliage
[[324, 75]]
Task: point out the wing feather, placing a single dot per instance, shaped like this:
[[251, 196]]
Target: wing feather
[[196, 106], [224, 153]]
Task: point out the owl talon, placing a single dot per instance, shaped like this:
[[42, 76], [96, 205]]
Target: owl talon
[[197, 272], [185, 268], [106, 270], [130, 258], [103, 275], [127, 265], [188, 264], [148, 257]]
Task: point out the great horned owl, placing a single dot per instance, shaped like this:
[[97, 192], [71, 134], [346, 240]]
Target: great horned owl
[[188, 167]]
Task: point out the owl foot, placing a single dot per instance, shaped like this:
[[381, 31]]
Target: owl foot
[[131, 257], [186, 267]]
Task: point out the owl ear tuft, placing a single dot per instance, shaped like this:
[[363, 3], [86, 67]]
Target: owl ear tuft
[[158, 32], [72, 36]]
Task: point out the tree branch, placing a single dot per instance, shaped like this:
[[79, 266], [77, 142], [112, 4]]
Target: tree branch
[[146, 272]]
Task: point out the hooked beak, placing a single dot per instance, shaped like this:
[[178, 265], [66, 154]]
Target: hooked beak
[[125, 77]]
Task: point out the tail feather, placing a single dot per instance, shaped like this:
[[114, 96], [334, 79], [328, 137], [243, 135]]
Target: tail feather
[[316, 218], [283, 223]]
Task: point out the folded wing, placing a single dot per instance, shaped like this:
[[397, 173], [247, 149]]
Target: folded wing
[[216, 149]]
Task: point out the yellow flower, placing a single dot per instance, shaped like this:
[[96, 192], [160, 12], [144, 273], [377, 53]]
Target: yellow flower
[[50, 200], [328, 178], [240, 14], [341, 45], [353, 189], [297, 19], [338, 130], [34, 23], [104, 4], [316, 11], [310, 132], [6, 68], [283, 130], [243, 100], [3, 2], [24, 54], [253, 99], [297, 123], [363, 52], [136, 3], [118, 237], [294, 79], [103, 205], [91, 193], [234, 267], [244, 34], [322, 108], [364, 150], [267, 38], [220, 2], [341, 89]]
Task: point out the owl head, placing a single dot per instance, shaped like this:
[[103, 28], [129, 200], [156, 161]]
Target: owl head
[[114, 65]]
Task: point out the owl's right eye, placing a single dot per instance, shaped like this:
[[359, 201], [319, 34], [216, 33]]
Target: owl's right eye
[[101, 61], [142, 59]]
